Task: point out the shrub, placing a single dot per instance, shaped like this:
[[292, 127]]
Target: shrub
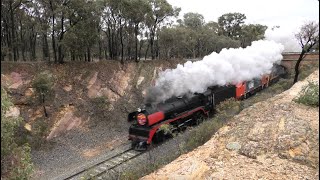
[[40, 129], [43, 84], [101, 103], [310, 95], [229, 106], [166, 128], [15, 158]]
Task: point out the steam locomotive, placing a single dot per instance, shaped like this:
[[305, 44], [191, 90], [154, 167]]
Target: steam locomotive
[[177, 113]]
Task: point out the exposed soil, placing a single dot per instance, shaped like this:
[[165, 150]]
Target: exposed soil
[[87, 109]]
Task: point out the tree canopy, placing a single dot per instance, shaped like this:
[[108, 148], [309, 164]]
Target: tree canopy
[[82, 30]]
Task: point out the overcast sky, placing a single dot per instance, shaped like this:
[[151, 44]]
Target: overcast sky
[[288, 14]]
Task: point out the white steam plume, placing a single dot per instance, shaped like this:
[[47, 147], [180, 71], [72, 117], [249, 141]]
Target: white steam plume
[[229, 66], [285, 37]]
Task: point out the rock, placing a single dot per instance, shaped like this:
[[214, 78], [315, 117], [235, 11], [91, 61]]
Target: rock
[[250, 149], [27, 126], [111, 96], [16, 79], [233, 146], [13, 112], [67, 122], [29, 92], [92, 80], [67, 88], [140, 79]]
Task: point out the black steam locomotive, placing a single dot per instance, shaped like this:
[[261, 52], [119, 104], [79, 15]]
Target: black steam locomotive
[[179, 112]]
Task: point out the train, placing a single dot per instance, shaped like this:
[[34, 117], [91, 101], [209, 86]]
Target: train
[[151, 122]]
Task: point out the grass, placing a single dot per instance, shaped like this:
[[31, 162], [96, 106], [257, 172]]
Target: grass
[[309, 96]]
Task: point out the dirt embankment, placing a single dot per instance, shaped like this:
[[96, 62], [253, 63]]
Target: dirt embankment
[[274, 139], [84, 94]]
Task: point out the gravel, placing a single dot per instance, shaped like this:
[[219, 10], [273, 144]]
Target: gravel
[[68, 151]]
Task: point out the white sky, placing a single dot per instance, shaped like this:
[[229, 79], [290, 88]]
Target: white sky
[[288, 14]]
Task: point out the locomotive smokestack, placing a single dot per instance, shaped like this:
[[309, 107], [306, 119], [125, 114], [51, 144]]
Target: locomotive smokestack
[[229, 66]]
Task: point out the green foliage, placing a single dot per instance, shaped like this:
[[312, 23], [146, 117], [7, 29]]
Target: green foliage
[[310, 95], [201, 135], [166, 128], [40, 129], [281, 85], [15, 159], [193, 20], [252, 32], [307, 69], [43, 84], [228, 105], [83, 30], [8, 126], [148, 167], [230, 24], [23, 166], [101, 103]]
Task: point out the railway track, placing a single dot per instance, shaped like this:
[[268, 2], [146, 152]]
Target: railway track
[[106, 168]]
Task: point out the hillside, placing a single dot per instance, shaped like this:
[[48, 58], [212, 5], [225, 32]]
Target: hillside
[[273, 139], [87, 107]]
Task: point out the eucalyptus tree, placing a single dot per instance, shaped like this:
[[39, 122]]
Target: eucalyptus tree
[[308, 37], [29, 27], [212, 26], [230, 24], [8, 21], [252, 32], [113, 24], [193, 20], [42, 16], [136, 12], [170, 39], [82, 32], [160, 11]]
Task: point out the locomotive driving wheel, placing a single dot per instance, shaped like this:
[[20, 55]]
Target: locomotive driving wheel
[[199, 118], [159, 137]]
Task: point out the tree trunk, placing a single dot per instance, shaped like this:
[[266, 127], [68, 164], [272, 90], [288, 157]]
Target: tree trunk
[[100, 44], [13, 40], [145, 56], [157, 49], [106, 53], [45, 47], [121, 42], [89, 54], [141, 44], [53, 36], [302, 55], [60, 53], [136, 43], [152, 44], [9, 39], [73, 56], [110, 43], [33, 41], [22, 43]]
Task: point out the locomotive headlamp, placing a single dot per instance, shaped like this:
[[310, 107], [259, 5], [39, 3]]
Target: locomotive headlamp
[[142, 119]]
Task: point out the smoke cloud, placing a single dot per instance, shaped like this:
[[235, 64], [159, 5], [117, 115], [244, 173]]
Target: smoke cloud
[[229, 66], [285, 37]]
